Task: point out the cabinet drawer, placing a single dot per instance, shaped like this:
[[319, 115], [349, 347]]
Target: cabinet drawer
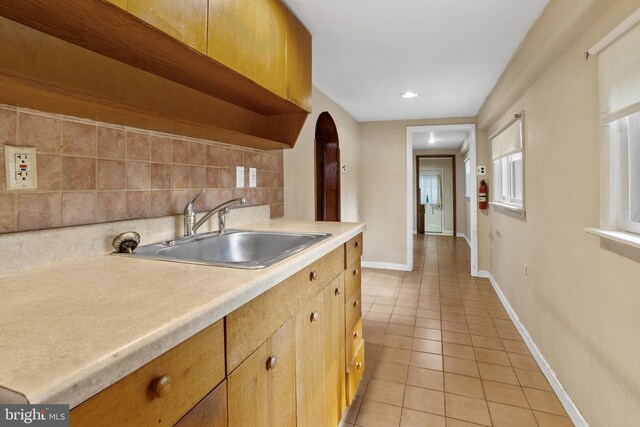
[[353, 341], [210, 412], [354, 374], [250, 325], [352, 279], [353, 309], [353, 250], [162, 391]]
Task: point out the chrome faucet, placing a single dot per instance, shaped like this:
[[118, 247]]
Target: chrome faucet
[[190, 224]]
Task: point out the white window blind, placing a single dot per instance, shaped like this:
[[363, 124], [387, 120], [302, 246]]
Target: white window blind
[[619, 75], [508, 141], [508, 159]]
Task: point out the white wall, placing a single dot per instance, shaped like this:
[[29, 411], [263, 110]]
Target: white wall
[[299, 186], [581, 303]]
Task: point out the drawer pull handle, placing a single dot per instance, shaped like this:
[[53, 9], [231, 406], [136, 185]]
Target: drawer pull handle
[[355, 272], [355, 335], [313, 276], [357, 244], [358, 366], [314, 316], [355, 304], [272, 362], [337, 291], [163, 385]]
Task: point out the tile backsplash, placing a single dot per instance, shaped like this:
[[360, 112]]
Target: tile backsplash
[[92, 172]]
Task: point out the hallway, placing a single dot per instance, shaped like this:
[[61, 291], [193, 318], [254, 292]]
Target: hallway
[[442, 351]]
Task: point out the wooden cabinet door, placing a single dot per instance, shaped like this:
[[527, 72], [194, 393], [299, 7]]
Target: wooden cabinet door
[[310, 359], [298, 64], [210, 412], [183, 20], [334, 350], [262, 389]]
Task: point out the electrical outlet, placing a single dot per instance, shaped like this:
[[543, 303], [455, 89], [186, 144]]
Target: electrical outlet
[[239, 176], [527, 273], [481, 170], [253, 177], [20, 168]]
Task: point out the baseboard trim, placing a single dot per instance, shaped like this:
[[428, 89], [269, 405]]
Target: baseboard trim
[[464, 236], [385, 266], [565, 399], [484, 273]]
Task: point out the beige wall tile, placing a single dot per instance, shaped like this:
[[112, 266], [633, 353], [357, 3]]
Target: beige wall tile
[[227, 178], [111, 175], [197, 154], [198, 177], [213, 155], [78, 173], [111, 206], [8, 125], [138, 146], [138, 204], [78, 208], [230, 158], [160, 203], [111, 143], [180, 176], [160, 176], [180, 151], [7, 213], [42, 132], [79, 139], [213, 177], [161, 149], [36, 211], [49, 171], [138, 176]]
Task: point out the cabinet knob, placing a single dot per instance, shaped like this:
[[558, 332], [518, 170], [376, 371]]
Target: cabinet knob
[[358, 366], [314, 316], [313, 276], [355, 272], [163, 385], [337, 291], [355, 335], [357, 244], [271, 362], [355, 304]]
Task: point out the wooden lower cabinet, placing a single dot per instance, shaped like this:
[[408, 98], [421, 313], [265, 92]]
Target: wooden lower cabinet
[[262, 390], [210, 412], [334, 350]]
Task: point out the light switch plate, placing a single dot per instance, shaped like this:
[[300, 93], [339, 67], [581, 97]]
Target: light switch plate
[[482, 170], [253, 177], [20, 168], [239, 176]]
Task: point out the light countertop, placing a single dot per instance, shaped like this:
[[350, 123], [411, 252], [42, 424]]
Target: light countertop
[[71, 329]]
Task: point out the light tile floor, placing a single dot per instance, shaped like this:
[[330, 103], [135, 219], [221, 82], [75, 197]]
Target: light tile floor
[[441, 350]]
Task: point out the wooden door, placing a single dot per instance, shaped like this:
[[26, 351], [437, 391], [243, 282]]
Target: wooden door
[[334, 348], [327, 169], [261, 390], [310, 396]]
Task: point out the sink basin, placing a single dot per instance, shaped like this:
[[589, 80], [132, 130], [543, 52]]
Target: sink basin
[[232, 248]]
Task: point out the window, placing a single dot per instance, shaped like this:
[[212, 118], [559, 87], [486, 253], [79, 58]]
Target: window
[[624, 137], [508, 168], [467, 177], [619, 82]]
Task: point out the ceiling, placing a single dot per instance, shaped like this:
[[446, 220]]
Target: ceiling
[[443, 140], [451, 52]]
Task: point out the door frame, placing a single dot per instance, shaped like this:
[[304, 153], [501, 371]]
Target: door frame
[[326, 118], [451, 157]]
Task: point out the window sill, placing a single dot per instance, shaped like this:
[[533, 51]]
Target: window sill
[[510, 208], [622, 237]]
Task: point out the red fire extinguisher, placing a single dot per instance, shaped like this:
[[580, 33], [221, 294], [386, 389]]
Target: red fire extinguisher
[[482, 195]]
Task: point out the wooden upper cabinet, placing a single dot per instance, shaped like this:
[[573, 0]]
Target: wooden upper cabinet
[[260, 32], [120, 3], [183, 20], [298, 63]]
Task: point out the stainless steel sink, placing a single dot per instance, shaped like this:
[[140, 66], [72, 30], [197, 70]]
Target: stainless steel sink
[[232, 248]]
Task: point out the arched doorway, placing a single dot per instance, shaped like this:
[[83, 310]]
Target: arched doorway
[[327, 169]]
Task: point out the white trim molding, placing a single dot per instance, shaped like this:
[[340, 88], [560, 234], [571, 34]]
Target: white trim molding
[[386, 266], [464, 236], [565, 399]]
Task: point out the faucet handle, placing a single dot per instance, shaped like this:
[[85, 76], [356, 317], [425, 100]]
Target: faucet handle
[[188, 210]]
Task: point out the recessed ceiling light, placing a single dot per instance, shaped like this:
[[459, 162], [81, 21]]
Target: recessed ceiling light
[[432, 139], [408, 94]]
